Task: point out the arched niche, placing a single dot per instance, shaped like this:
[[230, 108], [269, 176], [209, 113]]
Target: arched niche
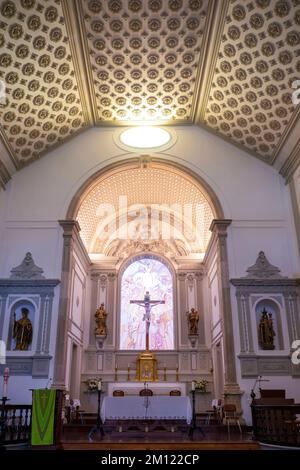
[[16, 313], [158, 276]]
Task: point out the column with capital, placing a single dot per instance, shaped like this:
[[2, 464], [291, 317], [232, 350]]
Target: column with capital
[[219, 240], [182, 309], [71, 231]]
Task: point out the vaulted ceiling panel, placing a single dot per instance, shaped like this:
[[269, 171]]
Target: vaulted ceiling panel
[[258, 59], [144, 57], [41, 105]]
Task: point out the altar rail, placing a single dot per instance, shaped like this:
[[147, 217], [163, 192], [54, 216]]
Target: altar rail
[[276, 424], [15, 424]]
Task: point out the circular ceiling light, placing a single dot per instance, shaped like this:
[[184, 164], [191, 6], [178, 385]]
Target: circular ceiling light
[[145, 137]]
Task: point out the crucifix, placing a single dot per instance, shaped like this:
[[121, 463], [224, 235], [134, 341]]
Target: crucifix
[[147, 304]]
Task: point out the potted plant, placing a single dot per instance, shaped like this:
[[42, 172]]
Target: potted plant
[[92, 383], [201, 385]]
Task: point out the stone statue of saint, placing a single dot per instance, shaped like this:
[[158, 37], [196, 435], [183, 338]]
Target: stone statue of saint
[[22, 331], [100, 319], [193, 320], [266, 331]]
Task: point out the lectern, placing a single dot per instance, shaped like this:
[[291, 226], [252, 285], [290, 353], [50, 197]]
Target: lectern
[[46, 426]]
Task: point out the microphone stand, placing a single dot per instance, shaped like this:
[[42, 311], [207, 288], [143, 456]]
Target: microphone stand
[[193, 425], [258, 381]]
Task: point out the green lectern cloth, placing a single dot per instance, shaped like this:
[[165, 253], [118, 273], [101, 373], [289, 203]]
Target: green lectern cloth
[[43, 409]]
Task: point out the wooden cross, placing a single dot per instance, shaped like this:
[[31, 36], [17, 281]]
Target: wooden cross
[[147, 304]]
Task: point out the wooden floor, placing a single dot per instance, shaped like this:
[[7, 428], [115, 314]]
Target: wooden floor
[[157, 438]]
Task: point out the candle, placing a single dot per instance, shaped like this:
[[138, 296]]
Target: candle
[[5, 381], [193, 385], [128, 366], [99, 385]]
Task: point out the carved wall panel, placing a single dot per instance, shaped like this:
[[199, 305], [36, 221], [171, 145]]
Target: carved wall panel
[[264, 289]]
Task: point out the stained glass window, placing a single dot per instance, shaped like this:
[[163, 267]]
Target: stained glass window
[[143, 275]]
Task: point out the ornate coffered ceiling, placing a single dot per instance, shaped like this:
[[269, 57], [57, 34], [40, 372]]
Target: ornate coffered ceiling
[[250, 97], [66, 65]]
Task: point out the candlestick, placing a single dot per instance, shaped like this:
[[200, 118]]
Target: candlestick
[[116, 373], [5, 381], [128, 373], [165, 373], [177, 374]]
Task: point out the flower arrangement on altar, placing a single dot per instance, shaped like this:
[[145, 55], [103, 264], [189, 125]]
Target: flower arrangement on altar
[[94, 383], [201, 385]]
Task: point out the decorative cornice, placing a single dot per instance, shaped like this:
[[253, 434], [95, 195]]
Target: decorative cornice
[[69, 227], [4, 175], [220, 225], [291, 163], [265, 283], [8, 148], [74, 22], [263, 269], [28, 284], [27, 269], [264, 275], [287, 132], [216, 23]]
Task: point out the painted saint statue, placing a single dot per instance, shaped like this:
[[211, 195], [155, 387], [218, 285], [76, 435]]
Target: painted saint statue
[[22, 331], [266, 331]]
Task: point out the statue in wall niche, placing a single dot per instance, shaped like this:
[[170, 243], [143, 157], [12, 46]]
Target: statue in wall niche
[[22, 331], [266, 331], [100, 319], [193, 320]]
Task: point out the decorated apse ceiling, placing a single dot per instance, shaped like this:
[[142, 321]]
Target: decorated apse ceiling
[[67, 65], [179, 226]]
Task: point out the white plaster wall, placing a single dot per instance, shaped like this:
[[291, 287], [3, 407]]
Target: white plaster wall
[[251, 193], [19, 388]]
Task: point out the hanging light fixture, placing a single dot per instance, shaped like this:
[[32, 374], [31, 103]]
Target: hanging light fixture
[[145, 137]]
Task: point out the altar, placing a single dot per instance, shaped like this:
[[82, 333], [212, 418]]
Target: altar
[[146, 408], [134, 388]]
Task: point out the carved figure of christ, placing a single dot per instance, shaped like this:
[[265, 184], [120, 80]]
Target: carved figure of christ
[[147, 304]]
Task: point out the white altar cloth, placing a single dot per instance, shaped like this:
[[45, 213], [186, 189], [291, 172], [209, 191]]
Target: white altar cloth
[[159, 388], [136, 407]]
